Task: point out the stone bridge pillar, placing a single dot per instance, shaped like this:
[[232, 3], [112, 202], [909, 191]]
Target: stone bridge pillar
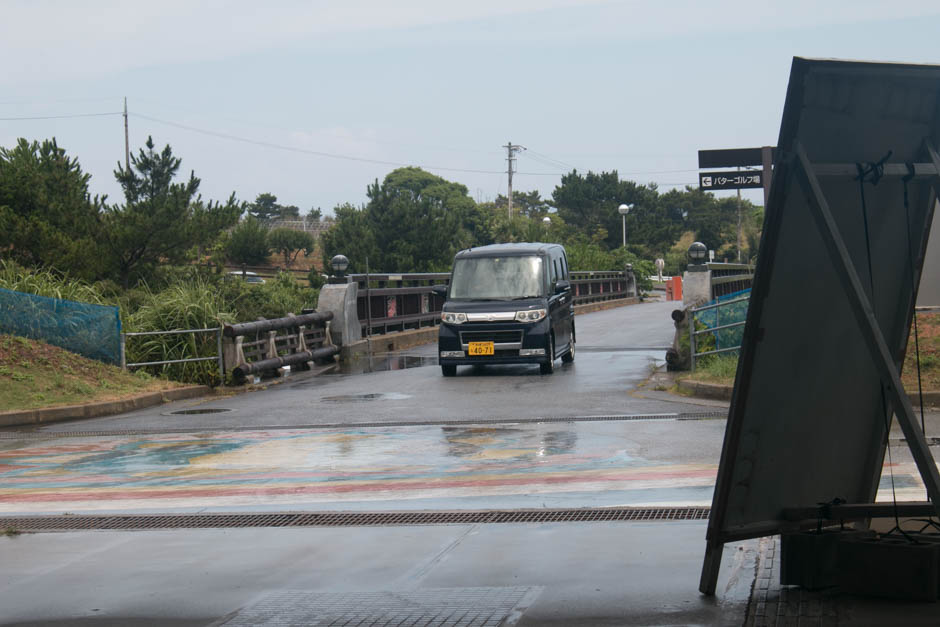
[[341, 300]]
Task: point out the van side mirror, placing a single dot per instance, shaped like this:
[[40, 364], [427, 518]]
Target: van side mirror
[[439, 290], [562, 286]]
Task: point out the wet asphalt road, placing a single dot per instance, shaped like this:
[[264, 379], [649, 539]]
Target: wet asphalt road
[[338, 442], [616, 352]]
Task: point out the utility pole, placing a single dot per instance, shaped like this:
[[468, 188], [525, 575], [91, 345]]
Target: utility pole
[[739, 222], [127, 143], [510, 151]]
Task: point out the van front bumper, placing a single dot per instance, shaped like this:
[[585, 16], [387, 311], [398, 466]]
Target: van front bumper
[[513, 342]]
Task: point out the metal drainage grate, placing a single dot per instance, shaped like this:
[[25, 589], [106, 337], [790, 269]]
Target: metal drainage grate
[[347, 519], [201, 410]]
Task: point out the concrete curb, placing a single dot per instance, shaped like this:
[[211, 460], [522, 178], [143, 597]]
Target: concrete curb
[[721, 392], [104, 408]]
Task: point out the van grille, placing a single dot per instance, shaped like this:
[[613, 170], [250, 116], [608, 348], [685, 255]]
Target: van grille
[[497, 337]]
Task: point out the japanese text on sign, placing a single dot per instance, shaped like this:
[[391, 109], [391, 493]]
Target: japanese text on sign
[[730, 180]]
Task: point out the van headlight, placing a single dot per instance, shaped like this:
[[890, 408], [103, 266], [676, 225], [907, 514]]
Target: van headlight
[[530, 315], [453, 318]]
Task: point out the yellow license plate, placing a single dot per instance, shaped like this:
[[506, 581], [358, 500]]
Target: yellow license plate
[[480, 348]]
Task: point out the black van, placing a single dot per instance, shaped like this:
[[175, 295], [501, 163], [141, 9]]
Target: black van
[[507, 304]]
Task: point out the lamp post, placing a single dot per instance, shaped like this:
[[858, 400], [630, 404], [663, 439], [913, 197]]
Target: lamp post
[[339, 263], [624, 210], [697, 253], [547, 223]]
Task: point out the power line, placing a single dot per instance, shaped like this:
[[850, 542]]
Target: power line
[[58, 100], [536, 156], [315, 153], [295, 129], [550, 160], [61, 117], [329, 155]]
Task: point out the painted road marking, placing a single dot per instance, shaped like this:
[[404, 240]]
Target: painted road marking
[[309, 467]]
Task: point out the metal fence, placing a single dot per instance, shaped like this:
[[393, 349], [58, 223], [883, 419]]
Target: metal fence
[[217, 357], [730, 278], [597, 286], [396, 302], [725, 332], [89, 330]]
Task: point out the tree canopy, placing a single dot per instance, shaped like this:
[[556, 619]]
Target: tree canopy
[[160, 221], [248, 243], [290, 243], [47, 216], [414, 221], [265, 207]]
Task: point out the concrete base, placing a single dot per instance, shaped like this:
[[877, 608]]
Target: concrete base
[[810, 560], [889, 568], [341, 300]]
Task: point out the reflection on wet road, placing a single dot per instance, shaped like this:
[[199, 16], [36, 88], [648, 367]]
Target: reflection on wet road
[[380, 468]]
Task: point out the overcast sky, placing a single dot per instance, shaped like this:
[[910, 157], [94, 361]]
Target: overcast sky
[[253, 96]]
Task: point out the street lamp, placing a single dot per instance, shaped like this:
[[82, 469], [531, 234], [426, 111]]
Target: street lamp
[[624, 210], [697, 253], [547, 223], [339, 263]]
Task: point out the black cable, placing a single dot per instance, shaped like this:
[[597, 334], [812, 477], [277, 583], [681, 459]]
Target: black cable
[[910, 260], [875, 171], [62, 117]]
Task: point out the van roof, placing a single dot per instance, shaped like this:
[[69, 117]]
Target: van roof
[[516, 249]]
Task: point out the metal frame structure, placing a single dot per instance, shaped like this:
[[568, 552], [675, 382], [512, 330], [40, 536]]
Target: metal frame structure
[[217, 357], [789, 390], [718, 327]]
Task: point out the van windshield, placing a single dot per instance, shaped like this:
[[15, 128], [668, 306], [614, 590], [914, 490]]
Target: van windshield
[[497, 278]]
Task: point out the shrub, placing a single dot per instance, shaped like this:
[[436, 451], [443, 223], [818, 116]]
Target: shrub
[[248, 242], [290, 243]]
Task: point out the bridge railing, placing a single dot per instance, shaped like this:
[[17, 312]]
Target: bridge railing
[[263, 346], [396, 302], [727, 331], [728, 278], [596, 286]]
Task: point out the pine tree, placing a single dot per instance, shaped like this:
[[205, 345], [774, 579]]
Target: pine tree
[[160, 221]]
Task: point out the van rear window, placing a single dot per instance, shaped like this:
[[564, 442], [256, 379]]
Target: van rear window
[[497, 278]]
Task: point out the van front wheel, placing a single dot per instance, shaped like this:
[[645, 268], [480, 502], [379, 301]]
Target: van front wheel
[[548, 366], [569, 356], [449, 371]]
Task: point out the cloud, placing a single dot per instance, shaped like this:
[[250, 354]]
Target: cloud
[[56, 39], [60, 38]]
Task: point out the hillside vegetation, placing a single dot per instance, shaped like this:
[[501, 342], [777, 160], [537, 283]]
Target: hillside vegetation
[[34, 374]]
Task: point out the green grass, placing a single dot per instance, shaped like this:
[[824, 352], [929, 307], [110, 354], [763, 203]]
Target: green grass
[[722, 368], [36, 375], [716, 369]]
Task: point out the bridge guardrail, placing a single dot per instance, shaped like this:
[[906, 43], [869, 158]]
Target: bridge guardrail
[[396, 302], [289, 341], [714, 330], [595, 286], [728, 278]]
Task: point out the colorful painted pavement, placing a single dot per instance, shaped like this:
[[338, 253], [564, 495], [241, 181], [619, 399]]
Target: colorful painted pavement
[[556, 465], [310, 468]]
